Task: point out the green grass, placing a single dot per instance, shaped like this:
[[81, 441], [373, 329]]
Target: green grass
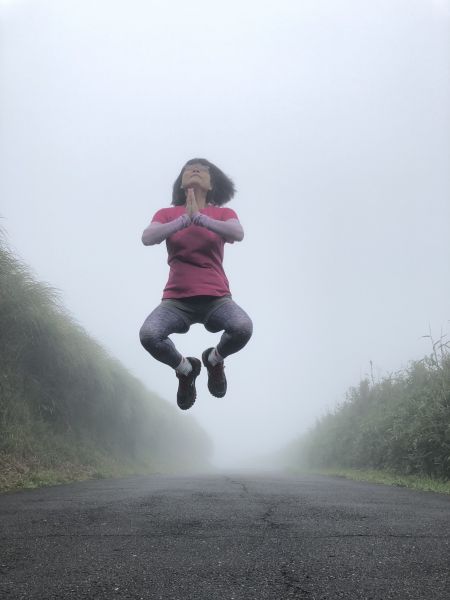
[[40, 457], [425, 484], [66, 462], [19, 475]]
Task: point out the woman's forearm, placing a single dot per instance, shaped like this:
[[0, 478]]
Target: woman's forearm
[[231, 230], [156, 232]]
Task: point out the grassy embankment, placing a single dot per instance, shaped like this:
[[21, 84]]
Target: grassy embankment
[[394, 431], [68, 410]]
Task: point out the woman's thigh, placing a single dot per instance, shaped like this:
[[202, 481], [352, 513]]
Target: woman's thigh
[[228, 316], [163, 321]]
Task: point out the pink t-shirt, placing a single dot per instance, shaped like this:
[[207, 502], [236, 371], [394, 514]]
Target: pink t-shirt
[[195, 255]]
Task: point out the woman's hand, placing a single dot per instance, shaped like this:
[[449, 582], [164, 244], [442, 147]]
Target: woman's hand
[[192, 207]]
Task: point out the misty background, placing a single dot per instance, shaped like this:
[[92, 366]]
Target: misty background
[[333, 119]]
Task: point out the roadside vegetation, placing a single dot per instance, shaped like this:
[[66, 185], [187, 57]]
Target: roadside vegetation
[[68, 410], [396, 429], [414, 482]]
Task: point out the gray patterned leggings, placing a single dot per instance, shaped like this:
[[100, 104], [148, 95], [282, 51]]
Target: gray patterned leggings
[[176, 316]]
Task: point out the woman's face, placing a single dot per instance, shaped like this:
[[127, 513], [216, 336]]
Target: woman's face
[[196, 176]]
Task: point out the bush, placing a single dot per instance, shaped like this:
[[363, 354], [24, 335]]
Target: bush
[[401, 423]]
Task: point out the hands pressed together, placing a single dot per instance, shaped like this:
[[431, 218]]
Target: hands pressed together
[[192, 208]]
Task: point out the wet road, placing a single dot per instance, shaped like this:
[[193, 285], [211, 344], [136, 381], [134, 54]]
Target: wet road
[[236, 537]]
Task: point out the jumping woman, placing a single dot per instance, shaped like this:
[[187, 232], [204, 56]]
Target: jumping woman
[[196, 228]]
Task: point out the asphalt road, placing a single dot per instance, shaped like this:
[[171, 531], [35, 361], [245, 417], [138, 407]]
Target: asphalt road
[[224, 537]]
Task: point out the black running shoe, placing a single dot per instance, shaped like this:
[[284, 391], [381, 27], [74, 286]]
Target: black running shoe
[[187, 393], [217, 382]]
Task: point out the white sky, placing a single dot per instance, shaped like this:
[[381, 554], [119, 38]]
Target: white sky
[[332, 117]]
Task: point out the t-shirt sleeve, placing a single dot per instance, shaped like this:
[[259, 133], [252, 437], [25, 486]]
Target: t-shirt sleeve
[[228, 213], [161, 216]]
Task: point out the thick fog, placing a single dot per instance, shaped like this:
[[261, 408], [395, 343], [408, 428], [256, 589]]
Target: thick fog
[[333, 119]]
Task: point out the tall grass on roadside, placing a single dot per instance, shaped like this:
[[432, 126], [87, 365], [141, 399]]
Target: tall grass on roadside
[[60, 391], [400, 424]]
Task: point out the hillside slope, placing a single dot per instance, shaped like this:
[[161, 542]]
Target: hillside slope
[[67, 408]]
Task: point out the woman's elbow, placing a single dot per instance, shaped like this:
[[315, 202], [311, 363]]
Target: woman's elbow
[[148, 239], [238, 235], [235, 238]]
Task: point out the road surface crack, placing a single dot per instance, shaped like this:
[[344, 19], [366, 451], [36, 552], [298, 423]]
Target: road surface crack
[[239, 483]]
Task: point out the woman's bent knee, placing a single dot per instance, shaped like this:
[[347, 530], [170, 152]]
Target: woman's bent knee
[[242, 331], [148, 338]]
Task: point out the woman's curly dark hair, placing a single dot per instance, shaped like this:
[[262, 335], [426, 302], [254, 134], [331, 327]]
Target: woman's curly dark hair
[[222, 186]]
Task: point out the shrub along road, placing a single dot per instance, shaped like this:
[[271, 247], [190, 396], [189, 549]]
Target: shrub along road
[[240, 536]]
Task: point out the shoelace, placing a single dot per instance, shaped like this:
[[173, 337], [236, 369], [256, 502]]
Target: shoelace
[[217, 369], [186, 381]]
